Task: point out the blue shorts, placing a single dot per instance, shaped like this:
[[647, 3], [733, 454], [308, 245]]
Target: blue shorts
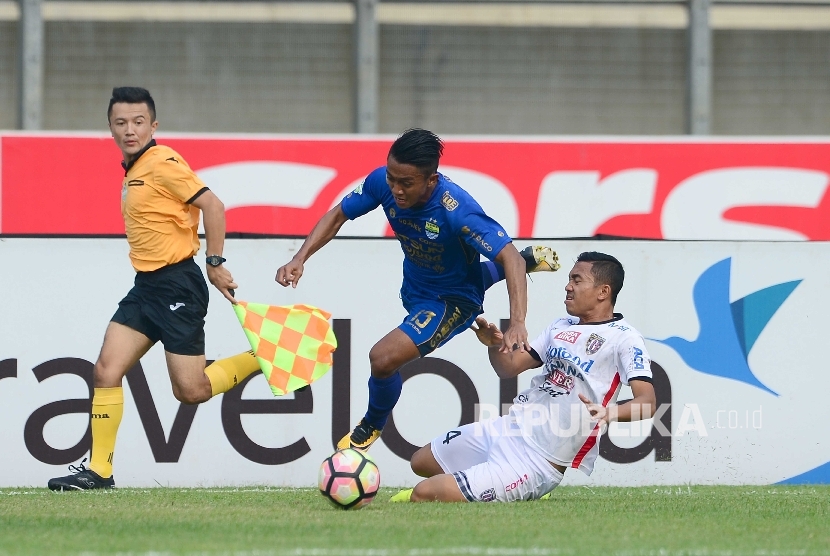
[[431, 323]]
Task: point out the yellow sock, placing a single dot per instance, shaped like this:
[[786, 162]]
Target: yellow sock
[[107, 410], [226, 373]]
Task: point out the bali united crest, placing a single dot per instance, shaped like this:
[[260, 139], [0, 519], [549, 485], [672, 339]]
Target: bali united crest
[[593, 344], [488, 495]]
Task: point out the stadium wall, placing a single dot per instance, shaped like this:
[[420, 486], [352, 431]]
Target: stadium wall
[[656, 188], [297, 77], [739, 398]]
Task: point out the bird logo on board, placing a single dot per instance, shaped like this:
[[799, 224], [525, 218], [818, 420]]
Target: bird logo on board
[[728, 329], [593, 344], [432, 229]]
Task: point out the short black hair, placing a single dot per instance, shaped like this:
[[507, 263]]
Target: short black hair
[[607, 270], [420, 148], [132, 95]]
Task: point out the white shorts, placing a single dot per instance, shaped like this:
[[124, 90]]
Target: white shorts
[[490, 466]]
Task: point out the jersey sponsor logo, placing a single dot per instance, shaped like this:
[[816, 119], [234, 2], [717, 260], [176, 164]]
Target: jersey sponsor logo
[[515, 484], [421, 253], [176, 306], [432, 229], [465, 230], [134, 183], [616, 325], [593, 344], [639, 364], [561, 358], [406, 221], [449, 203], [488, 495], [100, 415], [359, 188], [569, 336], [560, 379], [728, 330], [172, 159], [480, 240], [449, 325]]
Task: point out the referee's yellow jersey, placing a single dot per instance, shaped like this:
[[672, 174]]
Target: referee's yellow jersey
[[161, 223]]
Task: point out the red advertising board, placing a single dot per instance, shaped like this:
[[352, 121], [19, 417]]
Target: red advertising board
[[671, 189]]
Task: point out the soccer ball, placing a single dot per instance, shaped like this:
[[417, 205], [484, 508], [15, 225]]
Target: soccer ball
[[349, 479]]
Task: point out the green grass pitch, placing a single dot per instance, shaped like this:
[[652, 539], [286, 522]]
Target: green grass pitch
[[659, 521]]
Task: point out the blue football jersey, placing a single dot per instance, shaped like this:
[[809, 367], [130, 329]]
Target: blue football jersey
[[441, 239]]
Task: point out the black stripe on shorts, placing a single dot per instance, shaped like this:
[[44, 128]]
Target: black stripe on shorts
[[464, 485]]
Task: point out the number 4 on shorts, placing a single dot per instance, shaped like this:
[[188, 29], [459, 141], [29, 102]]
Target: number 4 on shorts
[[450, 436]]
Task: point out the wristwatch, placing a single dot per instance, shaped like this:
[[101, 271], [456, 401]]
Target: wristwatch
[[215, 260]]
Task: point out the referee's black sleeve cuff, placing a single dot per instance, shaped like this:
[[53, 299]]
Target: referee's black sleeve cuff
[[197, 195]]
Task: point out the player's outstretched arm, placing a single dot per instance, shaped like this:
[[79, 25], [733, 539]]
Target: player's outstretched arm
[[323, 232], [506, 365], [213, 212], [642, 406], [515, 337]]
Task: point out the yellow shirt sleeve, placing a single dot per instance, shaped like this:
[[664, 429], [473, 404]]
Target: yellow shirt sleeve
[[175, 176]]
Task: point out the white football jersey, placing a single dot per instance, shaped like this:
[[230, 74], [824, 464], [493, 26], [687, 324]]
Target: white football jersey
[[589, 359]]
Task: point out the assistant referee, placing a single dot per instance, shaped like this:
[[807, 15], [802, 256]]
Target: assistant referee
[[161, 201]]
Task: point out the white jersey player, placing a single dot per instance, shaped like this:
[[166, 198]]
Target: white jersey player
[[558, 421]]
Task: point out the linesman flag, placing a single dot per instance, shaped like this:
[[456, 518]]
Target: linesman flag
[[292, 343]]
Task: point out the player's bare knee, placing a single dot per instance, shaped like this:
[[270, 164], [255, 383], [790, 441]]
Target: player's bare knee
[[423, 463], [422, 493], [382, 363], [105, 376], [190, 396]]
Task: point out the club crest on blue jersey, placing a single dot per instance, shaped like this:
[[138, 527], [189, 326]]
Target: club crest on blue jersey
[[448, 201], [593, 344], [392, 212], [432, 229]]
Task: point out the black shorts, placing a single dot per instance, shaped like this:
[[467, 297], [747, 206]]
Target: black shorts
[[168, 305]]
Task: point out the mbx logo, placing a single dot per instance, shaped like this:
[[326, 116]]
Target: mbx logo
[[728, 330]]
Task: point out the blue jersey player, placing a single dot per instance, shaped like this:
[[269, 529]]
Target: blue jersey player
[[442, 231]]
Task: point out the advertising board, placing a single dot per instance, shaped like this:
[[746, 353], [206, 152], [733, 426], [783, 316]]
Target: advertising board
[[712, 189], [733, 328]]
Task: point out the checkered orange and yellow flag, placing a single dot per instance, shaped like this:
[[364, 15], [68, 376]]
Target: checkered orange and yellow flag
[[292, 343]]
